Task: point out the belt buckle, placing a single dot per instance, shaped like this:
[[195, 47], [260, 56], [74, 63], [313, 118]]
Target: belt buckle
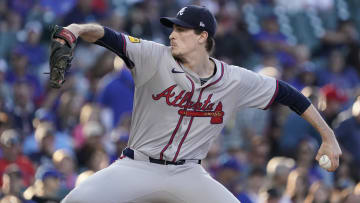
[[180, 162], [169, 162]]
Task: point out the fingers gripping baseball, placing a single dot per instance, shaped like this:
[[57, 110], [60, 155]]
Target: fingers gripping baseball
[[62, 46], [328, 156]]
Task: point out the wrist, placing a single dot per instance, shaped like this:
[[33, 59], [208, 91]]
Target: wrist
[[75, 29], [328, 136]]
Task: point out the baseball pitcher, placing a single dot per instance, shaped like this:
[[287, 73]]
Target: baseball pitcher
[[183, 98]]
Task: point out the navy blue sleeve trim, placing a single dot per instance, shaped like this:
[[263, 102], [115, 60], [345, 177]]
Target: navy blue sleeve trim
[[115, 42], [291, 97]]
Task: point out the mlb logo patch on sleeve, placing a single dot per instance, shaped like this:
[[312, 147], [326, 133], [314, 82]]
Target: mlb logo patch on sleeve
[[134, 39]]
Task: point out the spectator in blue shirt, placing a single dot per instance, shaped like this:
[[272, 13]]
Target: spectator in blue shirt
[[348, 134], [117, 93]]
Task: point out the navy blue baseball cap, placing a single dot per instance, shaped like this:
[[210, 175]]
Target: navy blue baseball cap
[[194, 17]]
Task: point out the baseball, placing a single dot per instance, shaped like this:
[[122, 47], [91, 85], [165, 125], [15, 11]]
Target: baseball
[[325, 162]]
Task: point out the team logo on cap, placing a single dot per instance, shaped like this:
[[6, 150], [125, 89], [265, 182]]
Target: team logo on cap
[[181, 12], [202, 24]]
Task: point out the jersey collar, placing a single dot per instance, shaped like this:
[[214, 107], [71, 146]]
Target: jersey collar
[[213, 81]]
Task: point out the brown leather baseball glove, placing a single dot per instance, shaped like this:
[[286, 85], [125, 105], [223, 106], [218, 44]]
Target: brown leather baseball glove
[[61, 55]]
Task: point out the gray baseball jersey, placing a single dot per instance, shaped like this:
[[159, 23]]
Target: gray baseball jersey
[[175, 117]]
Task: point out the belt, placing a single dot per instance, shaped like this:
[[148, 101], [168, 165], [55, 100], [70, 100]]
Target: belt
[[131, 154]]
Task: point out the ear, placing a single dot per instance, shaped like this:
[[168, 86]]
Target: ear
[[203, 37]]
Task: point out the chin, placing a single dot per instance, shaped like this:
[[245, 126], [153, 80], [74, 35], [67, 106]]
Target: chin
[[176, 55]]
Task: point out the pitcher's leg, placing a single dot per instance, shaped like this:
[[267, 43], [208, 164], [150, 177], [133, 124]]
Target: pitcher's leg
[[123, 181], [196, 185]]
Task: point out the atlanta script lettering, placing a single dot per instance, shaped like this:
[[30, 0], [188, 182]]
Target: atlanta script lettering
[[199, 109]]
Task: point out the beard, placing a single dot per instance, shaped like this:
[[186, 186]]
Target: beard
[[177, 57]]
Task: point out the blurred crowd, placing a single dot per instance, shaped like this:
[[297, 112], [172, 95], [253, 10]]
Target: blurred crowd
[[51, 140]]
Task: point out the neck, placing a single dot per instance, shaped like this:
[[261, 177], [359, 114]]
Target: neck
[[200, 64]]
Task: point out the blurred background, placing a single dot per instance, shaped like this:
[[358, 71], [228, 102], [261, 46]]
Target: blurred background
[[53, 139]]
